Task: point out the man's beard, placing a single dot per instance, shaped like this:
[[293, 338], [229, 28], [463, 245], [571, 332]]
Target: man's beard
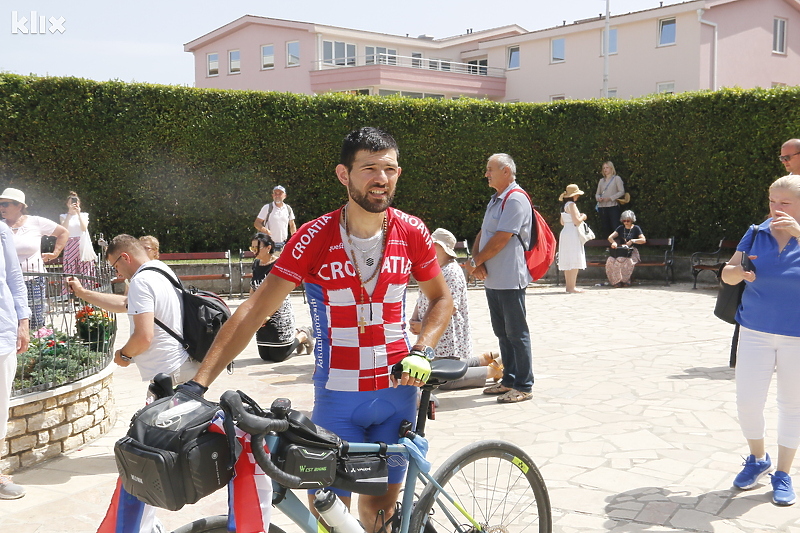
[[366, 204]]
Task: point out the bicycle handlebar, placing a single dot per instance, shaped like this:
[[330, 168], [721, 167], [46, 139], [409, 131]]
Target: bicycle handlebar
[[257, 427]]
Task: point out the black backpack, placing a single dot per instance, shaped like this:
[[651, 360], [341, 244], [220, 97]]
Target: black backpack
[[203, 315]]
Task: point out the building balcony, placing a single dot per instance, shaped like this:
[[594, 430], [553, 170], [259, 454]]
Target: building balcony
[[387, 73]]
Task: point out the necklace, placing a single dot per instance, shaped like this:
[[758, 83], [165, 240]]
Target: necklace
[[369, 261], [361, 321], [627, 233]]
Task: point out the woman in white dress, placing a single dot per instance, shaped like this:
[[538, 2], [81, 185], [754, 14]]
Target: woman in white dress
[[571, 257]]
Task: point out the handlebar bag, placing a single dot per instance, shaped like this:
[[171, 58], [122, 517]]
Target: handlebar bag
[[169, 458]]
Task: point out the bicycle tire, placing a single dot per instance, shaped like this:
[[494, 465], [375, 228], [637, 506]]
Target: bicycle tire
[[496, 482], [215, 524]]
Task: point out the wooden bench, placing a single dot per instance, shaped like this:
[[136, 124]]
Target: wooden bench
[[713, 261], [180, 256], [667, 262], [247, 254]]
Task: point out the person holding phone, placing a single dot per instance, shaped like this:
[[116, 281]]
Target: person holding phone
[[769, 336], [77, 223]]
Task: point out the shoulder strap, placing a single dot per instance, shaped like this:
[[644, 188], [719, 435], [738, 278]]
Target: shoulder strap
[[269, 212], [178, 285], [533, 216], [755, 233]]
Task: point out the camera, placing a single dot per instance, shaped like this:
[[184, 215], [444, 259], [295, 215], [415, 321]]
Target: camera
[[73, 200]]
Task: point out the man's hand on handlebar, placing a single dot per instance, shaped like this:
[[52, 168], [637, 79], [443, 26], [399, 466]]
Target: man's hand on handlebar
[[415, 371], [193, 387]]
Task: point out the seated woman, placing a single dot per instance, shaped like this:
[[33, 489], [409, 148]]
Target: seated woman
[[456, 342], [277, 339], [620, 269]]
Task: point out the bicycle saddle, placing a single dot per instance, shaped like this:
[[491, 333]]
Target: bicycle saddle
[[447, 370]]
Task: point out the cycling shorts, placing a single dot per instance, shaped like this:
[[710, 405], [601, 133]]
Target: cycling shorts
[[368, 416]]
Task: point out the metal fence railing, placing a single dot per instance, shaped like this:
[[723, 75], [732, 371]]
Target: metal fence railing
[[70, 339]]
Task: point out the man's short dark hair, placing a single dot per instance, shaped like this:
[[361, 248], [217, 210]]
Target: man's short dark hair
[[366, 138], [124, 243]]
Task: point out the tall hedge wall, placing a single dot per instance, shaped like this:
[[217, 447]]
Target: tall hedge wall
[[194, 166]]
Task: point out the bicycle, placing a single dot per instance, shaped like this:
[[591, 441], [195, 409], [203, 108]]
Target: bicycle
[[488, 486]]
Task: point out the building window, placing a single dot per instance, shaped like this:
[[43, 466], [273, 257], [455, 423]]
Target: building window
[[292, 53], [267, 56], [439, 64], [513, 57], [416, 59], [234, 64], [479, 66], [338, 53], [612, 93], [779, 36], [557, 98], [213, 64], [381, 55], [666, 32], [667, 87], [612, 41], [557, 50], [387, 92]]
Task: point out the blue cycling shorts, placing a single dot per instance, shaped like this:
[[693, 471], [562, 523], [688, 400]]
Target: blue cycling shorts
[[368, 416]]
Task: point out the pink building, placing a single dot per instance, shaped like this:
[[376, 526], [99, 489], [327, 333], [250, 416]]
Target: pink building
[[695, 45]]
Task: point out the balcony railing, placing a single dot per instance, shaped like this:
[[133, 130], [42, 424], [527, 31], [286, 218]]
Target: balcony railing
[[422, 63]]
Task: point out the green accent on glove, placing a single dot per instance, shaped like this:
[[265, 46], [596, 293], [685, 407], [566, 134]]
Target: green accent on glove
[[417, 367]]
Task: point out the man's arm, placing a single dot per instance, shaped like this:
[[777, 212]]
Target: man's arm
[[140, 339], [258, 223], [440, 310], [292, 227], [493, 247], [116, 303], [241, 326]]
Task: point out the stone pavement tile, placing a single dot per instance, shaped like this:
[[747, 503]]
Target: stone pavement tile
[[613, 480], [638, 440]]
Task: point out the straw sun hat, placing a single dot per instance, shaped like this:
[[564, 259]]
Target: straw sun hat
[[446, 240], [572, 190]]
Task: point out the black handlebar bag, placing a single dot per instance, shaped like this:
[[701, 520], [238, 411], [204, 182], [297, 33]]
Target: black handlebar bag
[[169, 457]]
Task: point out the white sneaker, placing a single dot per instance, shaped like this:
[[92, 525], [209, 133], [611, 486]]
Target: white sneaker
[[10, 490]]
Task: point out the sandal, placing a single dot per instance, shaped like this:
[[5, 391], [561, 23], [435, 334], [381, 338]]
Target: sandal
[[514, 396], [306, 346], [497, 368], [497, 388]]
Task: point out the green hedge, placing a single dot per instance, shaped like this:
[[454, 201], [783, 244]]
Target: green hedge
[[194, 166]]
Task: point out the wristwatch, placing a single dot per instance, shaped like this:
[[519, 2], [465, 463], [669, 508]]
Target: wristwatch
[[472, 262], [423, 351]]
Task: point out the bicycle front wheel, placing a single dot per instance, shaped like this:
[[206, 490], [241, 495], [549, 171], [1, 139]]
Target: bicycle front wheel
[[495, 483], [214, 524]]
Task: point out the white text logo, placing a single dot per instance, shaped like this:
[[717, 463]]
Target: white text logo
[[36, 24]]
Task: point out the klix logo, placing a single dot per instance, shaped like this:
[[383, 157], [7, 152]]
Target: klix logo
[[36, 24]]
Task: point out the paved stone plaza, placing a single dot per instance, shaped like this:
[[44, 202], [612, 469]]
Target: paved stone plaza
[[632, 422]]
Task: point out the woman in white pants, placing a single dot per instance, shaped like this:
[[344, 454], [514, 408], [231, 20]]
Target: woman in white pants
[[769, 340]]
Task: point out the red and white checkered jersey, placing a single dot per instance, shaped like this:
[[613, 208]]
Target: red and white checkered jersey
[[346, 359]]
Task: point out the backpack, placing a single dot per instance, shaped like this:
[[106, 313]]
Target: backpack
[[541, 251], [203, 315]]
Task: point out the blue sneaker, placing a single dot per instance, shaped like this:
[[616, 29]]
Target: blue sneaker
[[753, 471], [782, 491]]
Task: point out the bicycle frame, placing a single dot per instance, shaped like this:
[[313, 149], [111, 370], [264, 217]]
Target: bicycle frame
[[298, 512]]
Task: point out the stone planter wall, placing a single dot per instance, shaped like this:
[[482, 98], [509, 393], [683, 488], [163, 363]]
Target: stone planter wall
[[44, 424]]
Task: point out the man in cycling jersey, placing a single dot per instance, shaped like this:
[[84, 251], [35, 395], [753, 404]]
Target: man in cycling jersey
[[355, 262]]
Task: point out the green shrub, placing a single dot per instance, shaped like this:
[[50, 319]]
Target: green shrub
[[193, 166]]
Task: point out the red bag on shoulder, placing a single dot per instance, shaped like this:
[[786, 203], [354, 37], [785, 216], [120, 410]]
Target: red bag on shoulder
[[541, 251]]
